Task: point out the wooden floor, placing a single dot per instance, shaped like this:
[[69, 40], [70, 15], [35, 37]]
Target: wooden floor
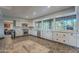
[[31, 44]]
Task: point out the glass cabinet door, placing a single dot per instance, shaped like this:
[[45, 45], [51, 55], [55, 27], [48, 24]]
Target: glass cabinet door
[[38, 25], [70, 22], [59, 24], [66, 23], [47, 24]]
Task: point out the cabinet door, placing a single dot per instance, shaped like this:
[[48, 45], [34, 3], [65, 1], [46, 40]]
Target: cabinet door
[[19, 32], [41, 34], [55, 36], [65, 39], [49, 35], [60, 37], [72, 39], [78, 40], [34, 32], [30, 31], [44, 34]]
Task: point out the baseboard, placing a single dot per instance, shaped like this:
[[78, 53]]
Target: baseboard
[[1, 38]]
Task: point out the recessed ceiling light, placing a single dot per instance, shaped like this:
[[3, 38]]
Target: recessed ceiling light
[[34, 13]]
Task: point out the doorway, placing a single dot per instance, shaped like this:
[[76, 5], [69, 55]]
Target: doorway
[[8, 26]]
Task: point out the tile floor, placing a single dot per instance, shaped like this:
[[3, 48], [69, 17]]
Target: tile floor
[[31, 44]]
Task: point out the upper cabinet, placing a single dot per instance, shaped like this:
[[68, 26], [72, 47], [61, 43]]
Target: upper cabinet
[[63, 23], [48, 24], [70, 22], [66, 23], [59, 24], [38, 25]]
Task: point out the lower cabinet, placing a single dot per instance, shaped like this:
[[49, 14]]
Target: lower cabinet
[[66, 38], [62, 37], [30, 32], [55, 36], [33, 32], [44, 34], [72, 39], [78, 40], [47, 35], [19, 32]]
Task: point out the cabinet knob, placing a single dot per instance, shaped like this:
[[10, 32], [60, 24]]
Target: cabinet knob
[[71, 34], [64, 35], [57, 34], [63, 40]]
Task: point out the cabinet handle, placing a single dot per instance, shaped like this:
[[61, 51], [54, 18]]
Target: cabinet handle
[[57, 34], [64, 35], [71, 34], [64, 41]]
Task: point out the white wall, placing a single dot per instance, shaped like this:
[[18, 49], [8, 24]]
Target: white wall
[[1, 29], [1, 25]]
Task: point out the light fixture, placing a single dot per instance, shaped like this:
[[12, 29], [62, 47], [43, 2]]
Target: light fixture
[[34, 13]]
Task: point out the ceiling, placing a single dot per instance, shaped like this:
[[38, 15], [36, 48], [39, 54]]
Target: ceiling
[[31, 12]]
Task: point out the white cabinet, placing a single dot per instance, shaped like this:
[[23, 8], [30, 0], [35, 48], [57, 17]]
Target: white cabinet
[[47, 35], [19, 32], [33, 32], [54, 36], [44, 34], [68, 38], [78, 40], [72, 39], [30, 31], [57, 36], [64, 37], [60, 37]]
